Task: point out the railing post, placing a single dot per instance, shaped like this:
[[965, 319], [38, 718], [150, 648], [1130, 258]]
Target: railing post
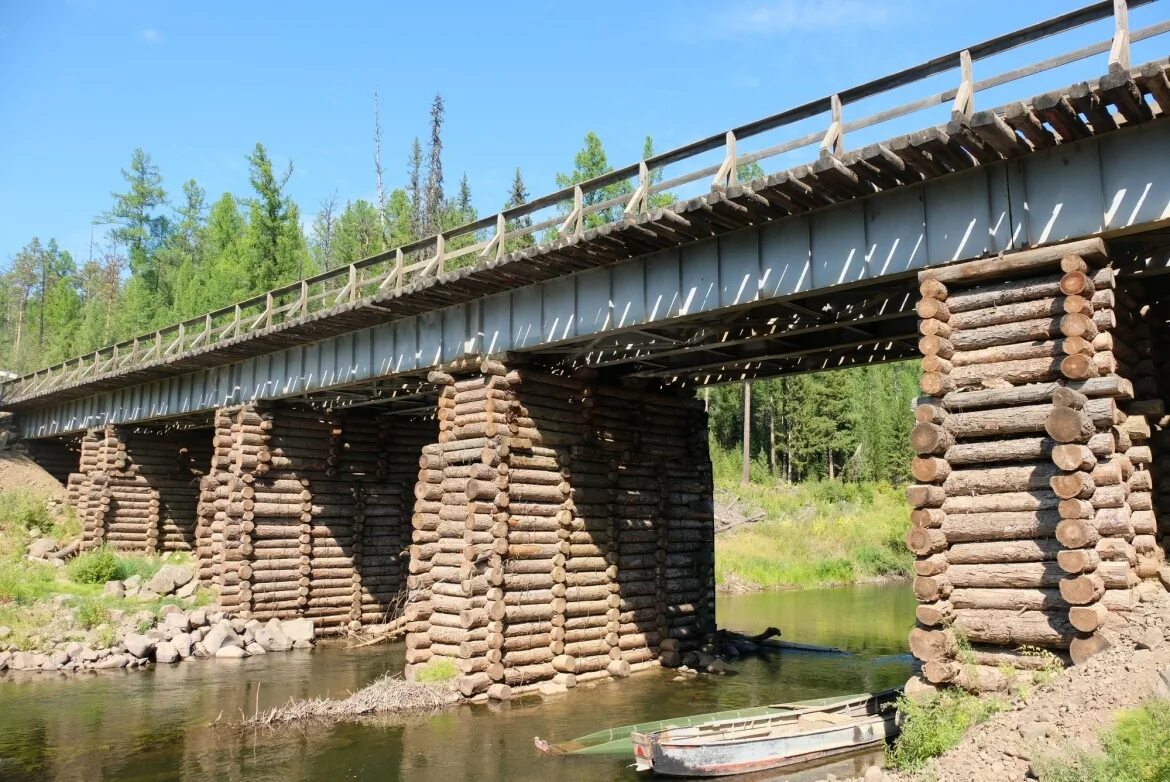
[[304, 298], [353, 283], [440, 249], [501, 232], [639, 199], [268, 310], [834, 141], [728, 173], [399, 266], [1119, 52], [964, 105], [236, 326], [578, 210]]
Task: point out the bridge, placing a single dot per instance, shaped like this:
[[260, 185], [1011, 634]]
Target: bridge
[[538, 365]]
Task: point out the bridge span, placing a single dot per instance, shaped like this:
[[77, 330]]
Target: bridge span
[[489, 435]]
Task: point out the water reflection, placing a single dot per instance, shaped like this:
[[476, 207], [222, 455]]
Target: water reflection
[[157, 725]]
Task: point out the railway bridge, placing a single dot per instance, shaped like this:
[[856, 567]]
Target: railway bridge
[[492, 433]]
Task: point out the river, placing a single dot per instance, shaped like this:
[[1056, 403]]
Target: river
[[158, 724]]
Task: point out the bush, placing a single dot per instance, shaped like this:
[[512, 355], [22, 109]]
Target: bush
[[1134, 751], [933, 724], [25, 509], [439, 671], [95, 567], [91, 613]]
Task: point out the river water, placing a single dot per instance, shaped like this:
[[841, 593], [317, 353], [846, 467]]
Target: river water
[[159, 724]]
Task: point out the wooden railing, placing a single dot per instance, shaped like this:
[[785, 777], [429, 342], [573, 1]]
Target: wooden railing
[[491, 238]]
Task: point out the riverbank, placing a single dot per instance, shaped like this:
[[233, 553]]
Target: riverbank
[[825, 533], [64, 612]]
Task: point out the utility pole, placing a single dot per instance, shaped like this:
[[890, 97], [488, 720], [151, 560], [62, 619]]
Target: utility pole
[[747, 434]]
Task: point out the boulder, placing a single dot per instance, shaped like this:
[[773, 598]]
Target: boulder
[[60, 657], [183, 643], [41, 548], [255, 648], [272, 637], [238, 624], [114, 589], [219, 636], [230, 652], [5, 657], [169, 578], [134, 582], [89, 655], [187, 591], [302, 644], [166, 653], [874, 774], [198, 617], [298, 629], [552, 688], [139, 645], [1162, 690], [147, 594], [22, 661], [178, 621], [113, 661], [5, 631]]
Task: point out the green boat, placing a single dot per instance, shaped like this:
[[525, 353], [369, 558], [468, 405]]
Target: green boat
[[616, 741]]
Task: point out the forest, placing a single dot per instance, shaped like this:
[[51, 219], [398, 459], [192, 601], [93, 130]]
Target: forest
[[161, 255]]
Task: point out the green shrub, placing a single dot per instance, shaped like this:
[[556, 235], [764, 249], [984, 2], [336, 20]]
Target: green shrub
[[933, 724], [25, 509], [143, 565], [442, 670], [95, 567], [1135, 751], [92, 612]]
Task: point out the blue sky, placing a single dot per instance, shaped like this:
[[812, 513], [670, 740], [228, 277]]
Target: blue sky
[[84, 82]]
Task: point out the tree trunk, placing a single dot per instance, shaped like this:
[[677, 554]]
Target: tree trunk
[[772, 438]]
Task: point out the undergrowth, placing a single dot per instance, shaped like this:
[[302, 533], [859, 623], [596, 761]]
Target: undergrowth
[[1134, 750], [441, 670], [813, 534], [933, 724]]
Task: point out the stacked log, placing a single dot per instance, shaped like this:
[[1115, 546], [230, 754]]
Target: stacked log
[[563, 528], [1018, 463], [85, 490]]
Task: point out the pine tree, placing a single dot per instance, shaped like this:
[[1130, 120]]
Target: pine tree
[[591, 162], [137, 225], [517, 196], [435, 201], [277, 246], [414, 185]]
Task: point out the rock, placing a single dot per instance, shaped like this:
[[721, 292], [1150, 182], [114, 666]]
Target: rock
[[1152, 638], [114, 589], [302, 644], [1162, 690], [183, 643], [50, 666], [166, 653], [139, 645], [552, 688], [4, 658], [255, 648], [238, 624], [198, 617], [720, 667], [22, 661], [199, 650], [178, 621], [60, 657], [222, 634], [134, 582], [230, 652], [89, 655], [169, 578], [147, 594], [873, 774], [113, 661], [5, 631], [187, 591], [298, 629], [272, 637], [1035, 730], [41, 548], [74, 650], [567, 679], [40, 659]]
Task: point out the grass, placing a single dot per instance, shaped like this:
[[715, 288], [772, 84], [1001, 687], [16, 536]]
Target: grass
[[814, 534], [933, 724], [1134, 750], [442, 670], [28, 587]]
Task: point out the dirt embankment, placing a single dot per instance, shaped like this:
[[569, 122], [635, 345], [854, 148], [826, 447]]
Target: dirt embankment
[[1066, 715], [19, 471]]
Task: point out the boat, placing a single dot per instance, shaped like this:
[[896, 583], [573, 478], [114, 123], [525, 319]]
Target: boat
[[756, 743], [616, 741]]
